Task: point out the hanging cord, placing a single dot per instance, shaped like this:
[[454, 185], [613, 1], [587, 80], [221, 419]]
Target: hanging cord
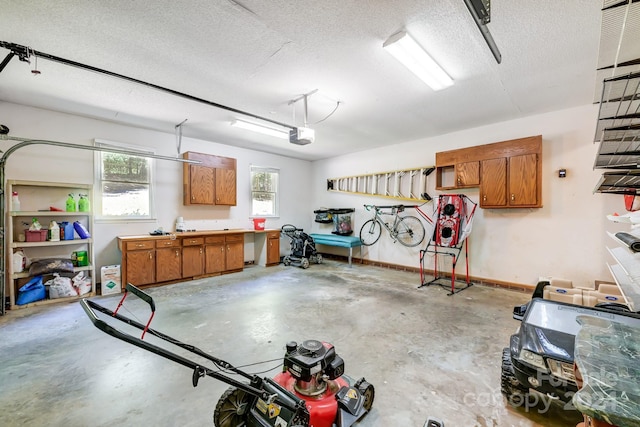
[[330, 114], [179, 135]]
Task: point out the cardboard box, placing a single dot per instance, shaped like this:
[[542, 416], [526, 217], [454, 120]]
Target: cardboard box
[[110, 280]]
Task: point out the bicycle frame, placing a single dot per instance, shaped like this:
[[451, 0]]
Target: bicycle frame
[[408, 230], [377, 215]]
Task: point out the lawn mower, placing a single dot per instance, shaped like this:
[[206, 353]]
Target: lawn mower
[[311, 390], [303, 248]]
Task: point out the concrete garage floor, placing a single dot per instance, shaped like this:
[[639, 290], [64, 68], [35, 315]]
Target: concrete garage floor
[[426, 353]]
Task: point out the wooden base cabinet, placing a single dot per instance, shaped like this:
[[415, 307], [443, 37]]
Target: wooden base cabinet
[[214, 254], [192, 257], [224, 253], [168, 260], [139, 263], [234, 252], [150, 260], [273, 248]]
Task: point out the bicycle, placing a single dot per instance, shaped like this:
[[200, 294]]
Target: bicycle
[[408, 230]]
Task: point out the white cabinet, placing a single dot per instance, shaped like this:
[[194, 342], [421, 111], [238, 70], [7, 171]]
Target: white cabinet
[[36, 201]]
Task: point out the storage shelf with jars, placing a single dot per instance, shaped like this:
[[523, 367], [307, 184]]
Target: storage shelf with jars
[[47, 203]]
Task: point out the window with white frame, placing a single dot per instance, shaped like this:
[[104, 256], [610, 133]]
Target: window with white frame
[[264, 191], [124, 183]]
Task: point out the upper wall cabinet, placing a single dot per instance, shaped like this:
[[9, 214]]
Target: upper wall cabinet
[[211, 182], [509, 173]]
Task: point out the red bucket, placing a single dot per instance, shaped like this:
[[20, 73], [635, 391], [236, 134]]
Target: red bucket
[[258, 223]]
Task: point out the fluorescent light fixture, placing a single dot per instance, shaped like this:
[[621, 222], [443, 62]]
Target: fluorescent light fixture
[[266, 130], [406, 50]]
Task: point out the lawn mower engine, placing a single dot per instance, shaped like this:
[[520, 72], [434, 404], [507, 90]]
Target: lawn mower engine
[[314, 372]]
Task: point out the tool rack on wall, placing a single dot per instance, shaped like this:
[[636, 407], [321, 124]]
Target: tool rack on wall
[[406, 184], [454, 217]]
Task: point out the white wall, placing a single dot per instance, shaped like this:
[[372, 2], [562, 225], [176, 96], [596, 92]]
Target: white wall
[[566, 238], [46, 163]]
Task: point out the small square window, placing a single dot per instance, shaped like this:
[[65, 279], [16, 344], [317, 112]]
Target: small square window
[[264, 191]]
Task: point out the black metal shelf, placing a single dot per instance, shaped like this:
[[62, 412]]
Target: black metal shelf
[[619, 182], [618, 88]]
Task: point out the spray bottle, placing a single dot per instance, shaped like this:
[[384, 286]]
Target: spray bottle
[[15, 201], [71, 203], [83, 203]]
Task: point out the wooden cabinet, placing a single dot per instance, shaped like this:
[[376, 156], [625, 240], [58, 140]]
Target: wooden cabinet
[[509, 182], [214, 254], [509, 173], [211, 182], [139, 263], [467, 174], [234, 252], [493, 191], [225, 187], [273, 247], [224, 253], [150, 260], [192, 257], [168, 260], [523, 181], [201, 185], [267, 247]]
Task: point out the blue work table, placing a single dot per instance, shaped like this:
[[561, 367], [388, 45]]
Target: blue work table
[[339, 241]]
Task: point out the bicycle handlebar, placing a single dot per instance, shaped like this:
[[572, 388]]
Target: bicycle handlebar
[[368, 207]]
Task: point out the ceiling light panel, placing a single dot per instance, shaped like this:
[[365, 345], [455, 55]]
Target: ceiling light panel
[[265, 130], [406, 50]]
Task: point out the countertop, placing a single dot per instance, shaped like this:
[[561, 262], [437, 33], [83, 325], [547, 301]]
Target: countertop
[[607, 355], [196, 233]]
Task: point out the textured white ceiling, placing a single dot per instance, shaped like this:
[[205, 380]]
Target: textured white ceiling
[[256, 56]]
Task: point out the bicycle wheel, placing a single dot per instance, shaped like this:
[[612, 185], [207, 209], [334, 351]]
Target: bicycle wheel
[[409, 231], [370, 232]]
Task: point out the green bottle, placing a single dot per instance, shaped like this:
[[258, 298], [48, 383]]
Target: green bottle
[[83, 203], [71, 203]]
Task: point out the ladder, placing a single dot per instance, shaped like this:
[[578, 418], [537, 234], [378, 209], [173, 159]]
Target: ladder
[[406, 184]]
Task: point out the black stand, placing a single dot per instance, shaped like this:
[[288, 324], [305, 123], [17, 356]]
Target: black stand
[[454, 253]]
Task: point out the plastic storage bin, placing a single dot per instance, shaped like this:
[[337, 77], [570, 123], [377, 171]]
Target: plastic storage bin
[[35, 236], [323, 216], [342, 221]]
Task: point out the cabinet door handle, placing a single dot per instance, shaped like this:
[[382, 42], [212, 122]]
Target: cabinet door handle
[[221, 248], [193, 197], [484, 198], [150, 255], [177, 254], [513, 197], [200, 251]]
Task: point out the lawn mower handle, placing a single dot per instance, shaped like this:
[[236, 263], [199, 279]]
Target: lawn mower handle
[[199, 371]]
